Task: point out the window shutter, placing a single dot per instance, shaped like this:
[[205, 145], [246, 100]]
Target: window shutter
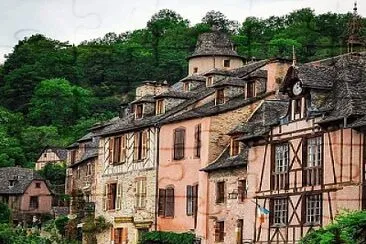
[[143, 193], [116, 236], [189, 202], [136, 146], [197, 140], [119, 196], [169, 211], [123, 148], [145, 135], [105, 201], [110, 151], [138, 193], [162, 200], [217, 232], [116, 149]]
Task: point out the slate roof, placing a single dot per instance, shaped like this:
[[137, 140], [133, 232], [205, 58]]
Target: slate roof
[[249, 68], [230, 81], [24, 177], [268, 114], [320, 77], [214, 43], [216, 71], [91, 151], [174, 94], [210, 109], [194, 77], [225, 161], [144, 99], [60, 152]]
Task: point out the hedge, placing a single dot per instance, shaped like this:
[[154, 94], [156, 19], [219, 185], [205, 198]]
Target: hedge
[[160, 237]]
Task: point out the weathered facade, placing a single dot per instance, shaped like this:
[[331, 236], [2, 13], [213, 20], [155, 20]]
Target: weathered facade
[[51, 155], [26, 193]]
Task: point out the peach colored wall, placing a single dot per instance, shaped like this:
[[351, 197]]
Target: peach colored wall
[[181, 173], [44, 197], [46, 156], [207, 63], [346, 147], [276, 71]]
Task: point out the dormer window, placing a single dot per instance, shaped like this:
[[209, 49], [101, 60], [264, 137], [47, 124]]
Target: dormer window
[[160, 107], [11, 183], [209, 81], [220, 97], [298, 106], [250, 89], [234, 147], [186, 86], [138, 111], [195, 70], [227, 63]]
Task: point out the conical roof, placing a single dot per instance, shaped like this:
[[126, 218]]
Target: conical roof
[[214, 43]]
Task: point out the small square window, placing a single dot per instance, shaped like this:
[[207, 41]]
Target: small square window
[[38, 185], [138, 111], [209, 81], [227, 63], [220, 96], [220, 192], [195, 70], [186, 86]]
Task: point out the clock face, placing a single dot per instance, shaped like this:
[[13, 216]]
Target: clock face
[[297, 88]]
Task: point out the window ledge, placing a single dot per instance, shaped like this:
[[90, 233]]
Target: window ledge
[[279, 225], [312, 224]]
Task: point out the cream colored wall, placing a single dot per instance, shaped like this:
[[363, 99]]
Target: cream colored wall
[[47, 156], [206, 63]]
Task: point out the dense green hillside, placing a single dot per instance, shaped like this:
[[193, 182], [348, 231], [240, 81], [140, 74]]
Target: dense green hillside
[[51, 91]]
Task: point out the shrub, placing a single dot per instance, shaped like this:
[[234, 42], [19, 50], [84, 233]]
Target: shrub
[[167, 237]]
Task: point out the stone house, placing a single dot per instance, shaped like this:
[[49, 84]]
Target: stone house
[[306, 163], [81, 163], [26, 193], [228, 198], [50, 155]]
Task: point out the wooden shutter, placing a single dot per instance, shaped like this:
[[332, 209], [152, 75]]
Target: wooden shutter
[[136, 146], [195, 203], [105, 200], [189, 200], [217, 232], [138, 193], [110, 151], [145, 142], [220, 193], [179, 143], [162, 200], [119, 196], [116, 149], [123, 148], [143, 193], [169, 211], [197, 141]]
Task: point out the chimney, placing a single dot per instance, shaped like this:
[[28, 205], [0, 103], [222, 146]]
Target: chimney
[[151, 88], [123, 110]]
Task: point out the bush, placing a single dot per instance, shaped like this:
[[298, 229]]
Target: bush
[[348, 228], [167, 237], [61, 223], [5, 213]]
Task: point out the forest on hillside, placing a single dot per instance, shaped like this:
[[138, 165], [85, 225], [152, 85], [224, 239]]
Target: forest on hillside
[[51, 92]]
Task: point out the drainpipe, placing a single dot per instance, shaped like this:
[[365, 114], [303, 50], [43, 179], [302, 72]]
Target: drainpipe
[[157, 176]]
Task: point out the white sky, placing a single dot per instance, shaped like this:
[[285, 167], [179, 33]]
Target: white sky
[[78, 20]]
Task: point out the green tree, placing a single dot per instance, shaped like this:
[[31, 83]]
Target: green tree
[[5, 213], [55, 173], [57, 102], [216, 19]]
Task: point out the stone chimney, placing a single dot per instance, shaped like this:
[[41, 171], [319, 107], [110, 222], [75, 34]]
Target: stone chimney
[[151, 88]]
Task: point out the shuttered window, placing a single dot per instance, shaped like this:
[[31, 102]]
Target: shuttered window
[[110, 151], [141, 145], [220, 192], [219, 231], [220, 96], [72, 156], [119, 197], [162, 200], [189, 200], [169, 206], [123, 148], [117, 237], [197, 141], [141, 193], [250, 89], [179, 141], [166, 202], [138, 111], [160, 107], [234, 147], [117, 150], [111, 196], [242, 190]]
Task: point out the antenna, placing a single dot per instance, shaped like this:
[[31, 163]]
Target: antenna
[[293, 56]]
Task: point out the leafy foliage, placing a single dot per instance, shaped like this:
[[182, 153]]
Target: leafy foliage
[[55, 173], [60, 224], [5, 213], [348, 228], [167, 237], [9, 235]]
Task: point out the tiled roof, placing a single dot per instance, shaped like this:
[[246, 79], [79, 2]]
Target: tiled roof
[[225, 161], [23, 178], [230, 81], [175, 94], [194, 77], [145, 99], [91, 151], [269, 113], [216, 71]]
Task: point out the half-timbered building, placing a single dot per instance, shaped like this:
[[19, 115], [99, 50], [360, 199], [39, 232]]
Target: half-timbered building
[[308, 164]]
